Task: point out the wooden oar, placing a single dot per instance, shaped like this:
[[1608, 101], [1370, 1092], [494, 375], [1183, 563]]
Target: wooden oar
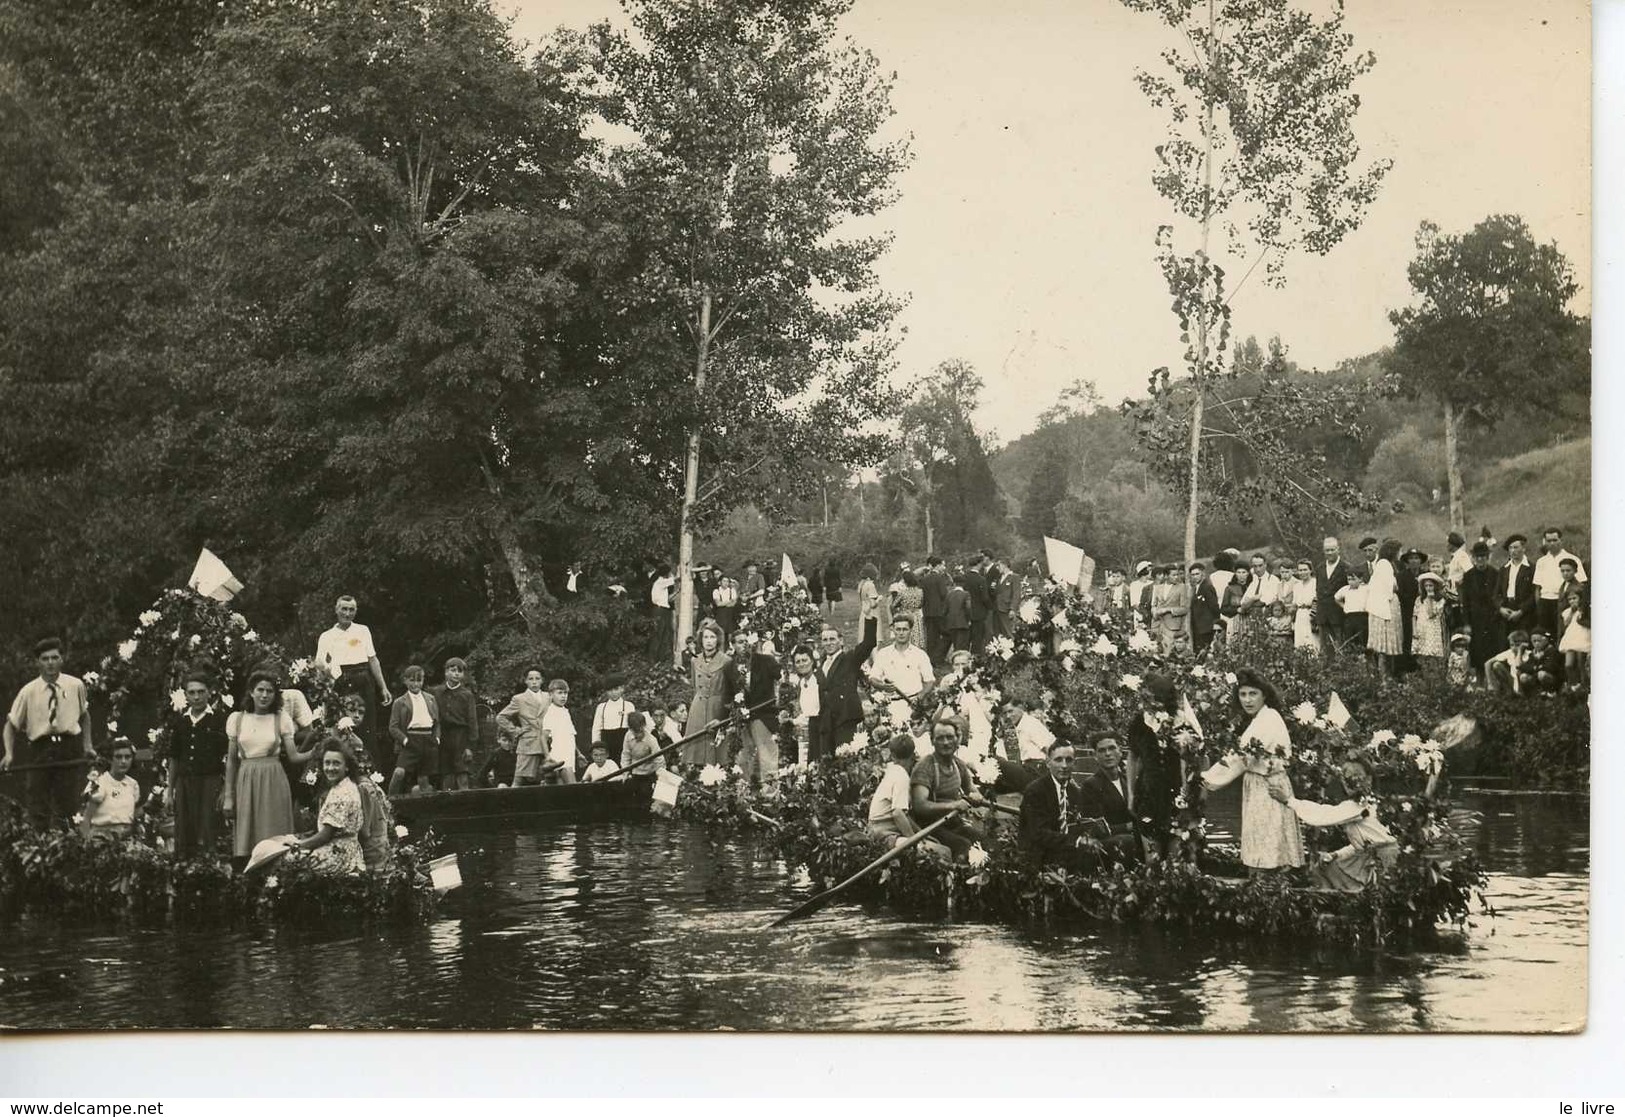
[[829, 894], [711, 728]]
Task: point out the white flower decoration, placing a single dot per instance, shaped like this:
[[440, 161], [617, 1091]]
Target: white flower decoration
[[1068, 663], [177, 700], [239, 620], [1061, 620], [112, 725], [1035, 649], [126, 650], [976, 856], [1068, 646], [377, 777], [1381, 737], [1103, 646], [300, 666], [228, 700], [711, 775], [271, 881], [251, 637], [152, 736], [1028, 610], [1411, 744], [195, 640], [1002, 646], [1305, 713], [1230, 677], [737, 770], [1129, 682], [1180, 803], [78, 820], [1142, 642], [987, 770], [150, 617], [92, 678], [400, 831]]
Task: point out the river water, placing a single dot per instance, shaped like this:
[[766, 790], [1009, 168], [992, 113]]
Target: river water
[[653, 926]]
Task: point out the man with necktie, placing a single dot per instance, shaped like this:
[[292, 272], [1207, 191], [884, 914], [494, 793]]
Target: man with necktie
[[50, 720], [1050, 832], [1109, 795]]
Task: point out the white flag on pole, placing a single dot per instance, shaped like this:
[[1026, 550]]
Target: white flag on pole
[[212, 578], [1065, 561], [787, 573]]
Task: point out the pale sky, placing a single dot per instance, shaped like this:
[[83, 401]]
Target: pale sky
[[1025, 223]]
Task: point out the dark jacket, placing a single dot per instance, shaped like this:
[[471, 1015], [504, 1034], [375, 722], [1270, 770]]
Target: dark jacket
[[198, 750], [1204, 609], [981, 598], [842, 705], [1327, 611], [400, 716], [1043, 832], [1523, 594], [763, 685], [1098, 798], [934, 586], [957, 611], [1004, 592]]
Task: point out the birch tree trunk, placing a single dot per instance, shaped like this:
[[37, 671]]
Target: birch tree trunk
[[684, 628], [1452, 468]]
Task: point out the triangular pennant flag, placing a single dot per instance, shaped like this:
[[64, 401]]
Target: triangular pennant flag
[[1337, 714], [1065, 561], [212, 578], [787, 573]]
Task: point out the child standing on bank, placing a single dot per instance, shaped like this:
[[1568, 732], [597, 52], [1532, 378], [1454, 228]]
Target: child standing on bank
[[459, 725], [414, 723], [111, 796]]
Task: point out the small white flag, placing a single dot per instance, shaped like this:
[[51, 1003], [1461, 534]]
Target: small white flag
[[1066, 562], [787, 573], [212, 578]]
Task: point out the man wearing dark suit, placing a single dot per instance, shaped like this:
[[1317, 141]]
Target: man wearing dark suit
[[1331, 575], [1515, 592], [933, 605], [956, 622], [1108, 795], [1204, 609], [1049, 832], [843, 706], [1005, 587], [751, 679], [981, 602]]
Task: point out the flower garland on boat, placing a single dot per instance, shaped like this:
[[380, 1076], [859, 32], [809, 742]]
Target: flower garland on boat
[[786, 616], [184, 631]]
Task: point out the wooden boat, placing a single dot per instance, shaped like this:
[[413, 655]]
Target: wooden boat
[[510, 806]]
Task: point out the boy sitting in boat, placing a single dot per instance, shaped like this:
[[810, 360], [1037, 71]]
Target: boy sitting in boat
[[601, 767]]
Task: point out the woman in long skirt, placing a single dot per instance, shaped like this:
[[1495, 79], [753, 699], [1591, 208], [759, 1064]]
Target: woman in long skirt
[[1269, 830], [911, 604], [1384, 630], [257, 798]]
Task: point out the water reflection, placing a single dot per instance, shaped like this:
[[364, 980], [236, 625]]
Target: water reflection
[[660, 927]]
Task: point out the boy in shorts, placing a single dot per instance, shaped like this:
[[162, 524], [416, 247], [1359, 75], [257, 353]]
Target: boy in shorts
[[459, 725], [414, 723]]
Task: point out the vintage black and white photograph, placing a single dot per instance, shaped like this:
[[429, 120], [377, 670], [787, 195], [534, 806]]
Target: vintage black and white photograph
[[795, 515]]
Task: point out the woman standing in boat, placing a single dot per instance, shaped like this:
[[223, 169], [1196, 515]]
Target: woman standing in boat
[[257, 799], [706, 672], [1269, 830]]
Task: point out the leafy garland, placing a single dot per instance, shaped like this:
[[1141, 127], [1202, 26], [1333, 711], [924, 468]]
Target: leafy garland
[[786, 615], [184, 631]]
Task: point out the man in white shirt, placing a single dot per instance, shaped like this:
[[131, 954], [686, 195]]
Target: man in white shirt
[[900, 670], [1461, 561], [660, 597], [346, 650], [1033, 737], [1549, 580]]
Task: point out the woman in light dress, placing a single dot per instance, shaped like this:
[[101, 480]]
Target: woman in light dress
[[335, 847], [1384, 630], [257, 799], [911, 604], [710, 703], [1299, 594], [1269, 830], [871, 602]]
